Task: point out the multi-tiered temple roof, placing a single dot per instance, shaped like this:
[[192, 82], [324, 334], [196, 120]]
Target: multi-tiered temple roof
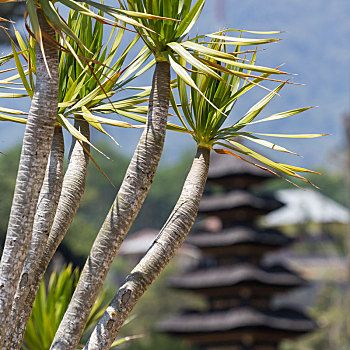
[[233, 173], [240, 328], [231, 275], [237, 205], [238, 240]]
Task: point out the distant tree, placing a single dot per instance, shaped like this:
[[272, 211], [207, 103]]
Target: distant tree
[[330, 308], [36, 147], [79, 88], [212, 100], [163, 39], [98, 196], [71, 55]]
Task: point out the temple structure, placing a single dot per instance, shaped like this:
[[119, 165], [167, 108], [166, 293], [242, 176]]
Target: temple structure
[[231, 275]]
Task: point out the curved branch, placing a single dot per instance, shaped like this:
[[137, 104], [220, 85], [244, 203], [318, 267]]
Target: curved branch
[[72, 192], [44, 216], [35, 152], [132, 193], [71, 195], [158, 256]]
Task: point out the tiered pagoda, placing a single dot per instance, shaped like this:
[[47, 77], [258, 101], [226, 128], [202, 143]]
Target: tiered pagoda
[[231, 275]]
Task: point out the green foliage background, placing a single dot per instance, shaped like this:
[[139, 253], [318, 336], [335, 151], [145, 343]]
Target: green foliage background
[[154, 306], [99, 195]]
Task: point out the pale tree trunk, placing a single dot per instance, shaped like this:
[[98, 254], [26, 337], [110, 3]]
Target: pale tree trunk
[[45, 213], [35, 152], [72, 191], [126, 206], [158, 256]]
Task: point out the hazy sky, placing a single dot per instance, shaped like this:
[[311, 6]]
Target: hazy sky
[[315, 45]]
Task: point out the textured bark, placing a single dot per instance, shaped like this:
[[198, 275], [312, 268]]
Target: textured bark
[[44, 216], [34, 157], [71, 195], [72, 192], [126, 206], [158, 256]]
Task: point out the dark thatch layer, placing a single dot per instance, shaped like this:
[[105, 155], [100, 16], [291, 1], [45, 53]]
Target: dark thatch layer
[[237, 236], [238, 319], [238, 275], [226, 204], [234, 173]]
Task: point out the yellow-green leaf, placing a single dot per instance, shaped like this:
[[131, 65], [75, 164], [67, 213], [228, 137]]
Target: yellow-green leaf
[[242, 41], [21, 71], [193, 60], [292, 136], [10, 118], [282, 115]]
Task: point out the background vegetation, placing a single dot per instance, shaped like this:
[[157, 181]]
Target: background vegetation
[[329, 306], [327, 88], [100, 194]]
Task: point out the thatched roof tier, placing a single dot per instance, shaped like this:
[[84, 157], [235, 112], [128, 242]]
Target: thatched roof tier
[[237, 205], [237, 324], [238, 279], [243, 346], [231, 172], [137, 244], [233, 274], [245, 298], [238, 240]]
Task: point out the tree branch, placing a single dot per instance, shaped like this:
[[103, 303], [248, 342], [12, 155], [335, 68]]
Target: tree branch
[[44, 216], [158, 256], [35, 152], [71, 195], [126, 206]]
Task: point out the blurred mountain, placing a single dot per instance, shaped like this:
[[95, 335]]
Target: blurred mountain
[[314, 45], [10, 11]]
